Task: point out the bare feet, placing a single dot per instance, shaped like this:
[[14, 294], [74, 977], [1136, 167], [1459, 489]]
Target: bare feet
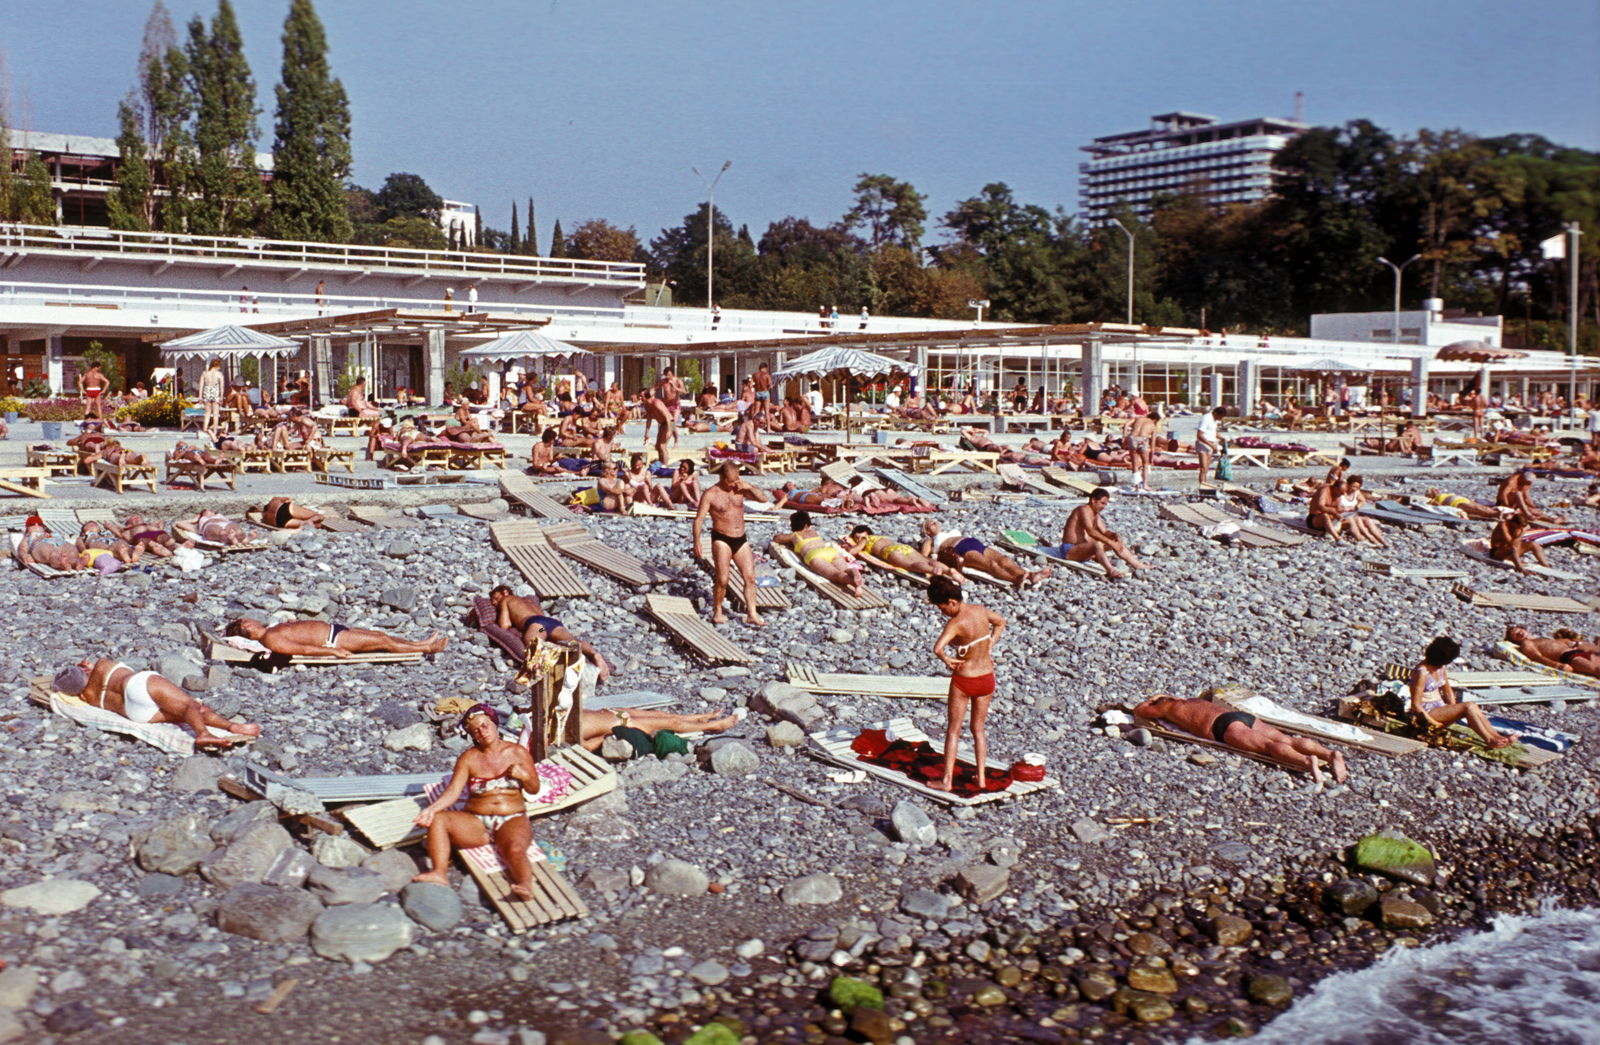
[[941, 785], [1500, 740], [1340, 773], [1115, 575], [436, 643], [212, 740], [438, 876], [720, 618], [1316, 770], [519, 890], [754, 620]]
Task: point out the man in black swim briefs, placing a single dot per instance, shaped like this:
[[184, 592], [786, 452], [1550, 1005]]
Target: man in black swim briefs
[[724, 503], [1243, 732], [315, 638]]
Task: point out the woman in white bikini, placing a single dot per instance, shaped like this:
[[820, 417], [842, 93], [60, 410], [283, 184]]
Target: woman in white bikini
[[144, 696], [496, 775], [645, 489]]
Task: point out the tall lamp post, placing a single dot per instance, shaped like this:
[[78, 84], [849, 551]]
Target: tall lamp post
[[1573, 230], [711, 225], [1128, 234], [1395, 334]]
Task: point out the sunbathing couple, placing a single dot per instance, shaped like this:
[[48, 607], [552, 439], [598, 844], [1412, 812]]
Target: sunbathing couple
[[831, 494], [1336, 510], [1565, 650], [94, 446], [498, 775], [94, 549], [320, 638], [144, 696], [1407, 440], [1515, 493]]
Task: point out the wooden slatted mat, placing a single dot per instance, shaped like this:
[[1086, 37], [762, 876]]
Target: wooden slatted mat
[[1070, 480], [903, 480], [1527, 756], [384, 518], [833, 745], [223, 649], [1530, 667], [920, 579], [521, 490], [842, 597], [553, 899], [1251, 535], [61, 522], [336, 790], [1389, 570], [334, 524], [677, 615], [1025, 543], [388, 824], [38, 569], [768, 596], [525, 544], [573, 541], [926, 687], [1515, 600], [1324, 729], [1015, 475]]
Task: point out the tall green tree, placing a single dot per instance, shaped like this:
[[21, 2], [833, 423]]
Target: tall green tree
[[407, 196], [514, 246], [159, 38], [891, 211], [171, 146], [311, 137], [231, 195], [599, 240], [531, 244], [679, 253], [558, 242], [131, 203]]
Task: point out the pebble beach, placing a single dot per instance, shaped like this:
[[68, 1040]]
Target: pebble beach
[[1160, 892]]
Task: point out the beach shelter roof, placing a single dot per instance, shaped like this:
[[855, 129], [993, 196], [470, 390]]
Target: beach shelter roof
[[837, 360], [521, 344], [1477, 352], [228, 341]]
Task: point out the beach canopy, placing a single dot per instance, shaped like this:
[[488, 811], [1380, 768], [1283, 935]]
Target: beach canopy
[[520, 344], [1331, 366], [228, 342], [837, 361], [1477, 352]]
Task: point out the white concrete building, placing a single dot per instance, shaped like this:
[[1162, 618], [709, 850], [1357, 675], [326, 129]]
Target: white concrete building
[[1433, 324], [463, 217], [1181, 151]]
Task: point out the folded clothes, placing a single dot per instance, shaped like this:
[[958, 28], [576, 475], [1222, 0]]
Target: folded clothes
[[923, 764]]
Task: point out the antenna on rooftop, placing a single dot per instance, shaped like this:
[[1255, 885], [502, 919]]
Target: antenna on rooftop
[[1299, 107]]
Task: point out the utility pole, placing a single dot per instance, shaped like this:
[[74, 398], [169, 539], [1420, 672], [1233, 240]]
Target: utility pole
[[1128, 234], [711, 226], [1395, 334]]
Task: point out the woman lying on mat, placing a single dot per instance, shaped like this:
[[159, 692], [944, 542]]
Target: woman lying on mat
[[821, 556], [280, 513], [144, 696], [495, 774]]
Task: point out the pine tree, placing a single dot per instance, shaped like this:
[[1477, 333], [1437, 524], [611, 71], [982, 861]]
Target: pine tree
[[311, 145], [531, 243], [231, 196], [159, 38], [514, 246], [131, 204], [32, 202], [558, 243]]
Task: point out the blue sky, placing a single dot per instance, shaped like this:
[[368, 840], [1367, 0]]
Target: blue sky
[[599, 108]]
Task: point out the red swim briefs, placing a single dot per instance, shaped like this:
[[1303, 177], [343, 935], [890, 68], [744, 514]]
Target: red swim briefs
[[974, 685]]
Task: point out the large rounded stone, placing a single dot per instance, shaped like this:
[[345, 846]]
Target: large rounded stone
[[435, 906], [1270, 990], [677, 878], [354, 885], [267, 913], [361, 932], [819, 888], [1350, 897], [52, 896], [396, 867], [176, 846], [912, 825], [1229, 930], [248, 857], [1404, 914]]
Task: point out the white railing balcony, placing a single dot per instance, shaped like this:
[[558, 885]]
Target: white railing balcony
[[107, 244]]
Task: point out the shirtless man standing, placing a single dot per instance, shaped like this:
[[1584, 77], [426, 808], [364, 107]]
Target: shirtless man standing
[[527, 618], [973, 631], [1243, 731], [1140, 442], [319, 638], [664, 410], [144, 696], [1515, 493], [764, 395], [1084, 538], [91, 386], [724, 503]]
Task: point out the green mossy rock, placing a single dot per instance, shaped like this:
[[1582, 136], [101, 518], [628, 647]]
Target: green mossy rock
[[848, 993], [1399, 858], [712, 1034], [638, 1037]]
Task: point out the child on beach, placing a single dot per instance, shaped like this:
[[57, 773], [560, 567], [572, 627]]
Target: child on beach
[[973, 631]]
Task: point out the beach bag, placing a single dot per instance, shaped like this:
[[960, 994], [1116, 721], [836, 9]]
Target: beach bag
[[1224, 468]]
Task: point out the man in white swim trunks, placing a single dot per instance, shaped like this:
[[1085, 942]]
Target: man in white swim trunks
[[144, 696]]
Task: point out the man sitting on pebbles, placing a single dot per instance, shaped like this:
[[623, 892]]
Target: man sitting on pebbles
[[1243, 731], [144, 696], [317, 638], [1084, 538]]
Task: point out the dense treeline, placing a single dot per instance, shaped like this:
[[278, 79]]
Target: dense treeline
[[1474, 209]]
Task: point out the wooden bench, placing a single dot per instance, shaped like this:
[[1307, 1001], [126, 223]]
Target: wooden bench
[[29, 482], [322, 458], [54, 462], [285, 461], [115, 476], [198, 471], [1259, 456]]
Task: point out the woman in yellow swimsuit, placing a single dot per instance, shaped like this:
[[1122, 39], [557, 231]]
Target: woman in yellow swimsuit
[[828, 561], [887, 549]]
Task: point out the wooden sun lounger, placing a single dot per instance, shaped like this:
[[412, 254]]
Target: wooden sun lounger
[[38, 569], [631, 699], [1496, 695], [1070, 480], [943, 460], [61, 522], [1016, 475], [1478, 548], [921, 687], [1404, 515], [520, 490], [1025, 543], [323, 458], [677, 615], [336, 790], [198, 472], [54, 462], [392, 823], [575, 542], [921, 580], [1512, 600], [167, 736], [1327, 730], [553, 900], [383, 518], [286, 461], [115, 476], [907, 483], [833, 745], [768, 596], [839, 596], [183, 533], [1249, 534], [1389, 570], [29, 482], [222, 649], [531, 552]]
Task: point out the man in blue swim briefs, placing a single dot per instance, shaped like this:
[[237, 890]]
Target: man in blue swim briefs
[[527, 618]]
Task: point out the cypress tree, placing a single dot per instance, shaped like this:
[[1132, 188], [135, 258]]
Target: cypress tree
[[231, 196], [159, 38], [172, 149], [531, 244], [514, 246], [131, 204], [477, 231], [558, 244], [311, 137]]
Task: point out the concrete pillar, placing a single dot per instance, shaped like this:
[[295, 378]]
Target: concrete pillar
[[1523, 392], [322, 369], [921, 380], [1216, 388], [1093, 373], [52, 363], [714, 373], [609, 375], [1248, 381], [433, 349], [1419, 387]]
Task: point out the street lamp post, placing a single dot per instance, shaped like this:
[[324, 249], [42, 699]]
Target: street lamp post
[[1128, 234], [1395, 335], [711, 225], [1573, 230]]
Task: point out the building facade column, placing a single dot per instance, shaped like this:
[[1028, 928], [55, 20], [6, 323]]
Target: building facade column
[[322, 368], [1215, 397], [1092, 372], [1419, 387], [609, 375], [1523, 392], [1247, 385], [433, 348], [714, 373], [52, 363]]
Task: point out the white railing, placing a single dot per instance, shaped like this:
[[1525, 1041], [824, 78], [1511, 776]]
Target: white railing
[[161, 246]]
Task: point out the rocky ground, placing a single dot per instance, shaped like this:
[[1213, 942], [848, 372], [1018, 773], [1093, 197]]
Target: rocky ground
[[716, 896]]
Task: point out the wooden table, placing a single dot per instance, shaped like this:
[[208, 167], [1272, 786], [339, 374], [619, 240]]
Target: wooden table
[[1256, 455]]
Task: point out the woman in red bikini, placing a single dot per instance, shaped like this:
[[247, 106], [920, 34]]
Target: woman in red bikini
[[973, 631]]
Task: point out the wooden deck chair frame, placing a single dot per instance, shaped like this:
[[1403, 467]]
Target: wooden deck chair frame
[[575, 542], [678, 616], [116, 476], [198, 472], [768, 596], [540, 564], [28, 482]]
